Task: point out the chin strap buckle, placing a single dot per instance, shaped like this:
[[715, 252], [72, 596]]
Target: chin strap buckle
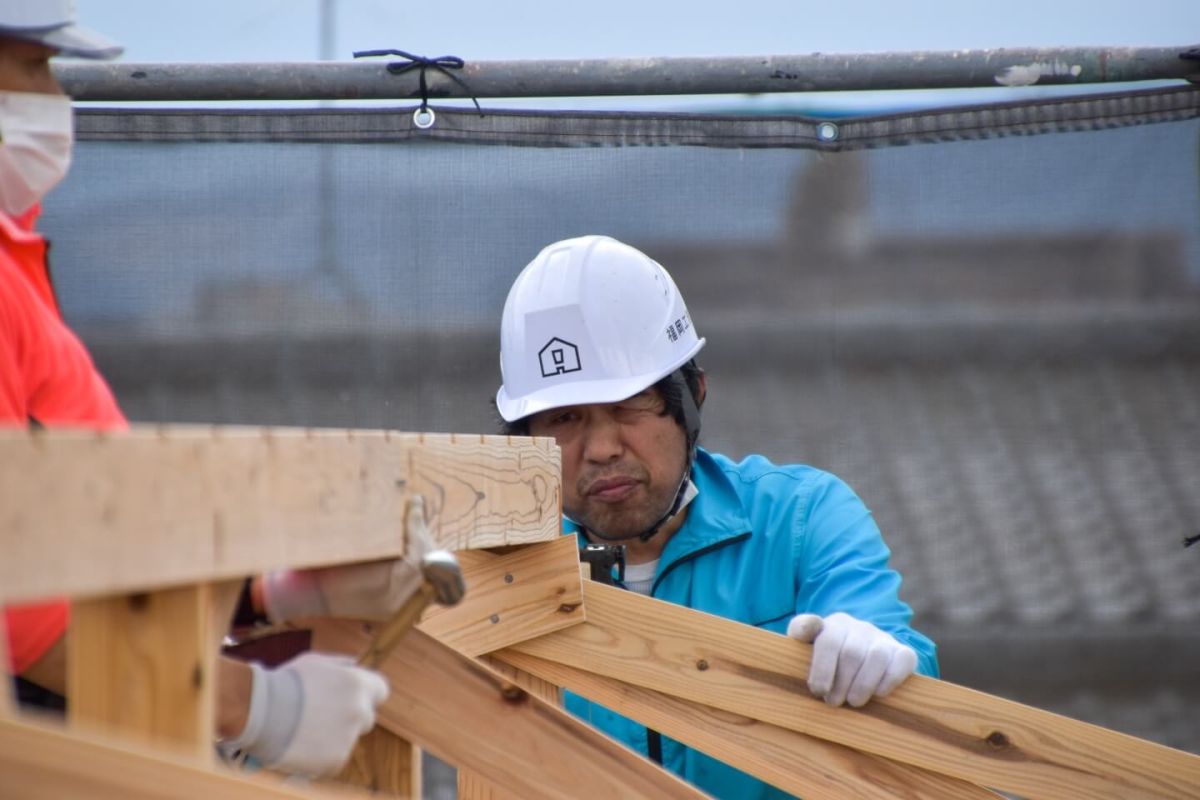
[[601, 558]]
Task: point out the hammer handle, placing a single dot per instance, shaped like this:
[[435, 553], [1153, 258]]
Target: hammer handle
[[394, 629]]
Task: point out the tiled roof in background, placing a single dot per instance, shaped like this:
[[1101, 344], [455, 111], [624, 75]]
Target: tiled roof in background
[[1035, 506]]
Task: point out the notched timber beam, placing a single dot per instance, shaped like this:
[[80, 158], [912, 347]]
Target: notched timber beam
[[163, 506], [476, 719], [927, 723], [802, 765], [531, 590], [44, 762]]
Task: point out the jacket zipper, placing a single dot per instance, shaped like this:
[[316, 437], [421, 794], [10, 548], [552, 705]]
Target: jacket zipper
[[696, 554], [653, 737]]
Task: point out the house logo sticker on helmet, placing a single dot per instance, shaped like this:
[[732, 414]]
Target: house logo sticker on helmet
[[558, 357]]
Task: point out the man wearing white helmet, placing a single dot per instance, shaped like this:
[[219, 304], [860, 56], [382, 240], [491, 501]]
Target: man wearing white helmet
[[598, 351], [302, 717]]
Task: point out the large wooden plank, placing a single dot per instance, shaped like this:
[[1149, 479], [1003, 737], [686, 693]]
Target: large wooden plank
[[472, 786], [146, 664], [514, 596], [157, 507], [800, 764], [927, 723], [473, 718], [42, 762]]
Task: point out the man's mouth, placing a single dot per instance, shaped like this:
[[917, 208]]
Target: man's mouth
[[611, 490]]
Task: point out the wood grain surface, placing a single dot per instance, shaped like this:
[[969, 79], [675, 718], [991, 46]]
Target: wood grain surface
[[530, 590], [44, 762], [163, 506], [930, 724], [802, 765], [476, 719], [145, 665]]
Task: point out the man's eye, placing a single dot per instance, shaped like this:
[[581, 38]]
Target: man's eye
[[633, 410], [644, 402]]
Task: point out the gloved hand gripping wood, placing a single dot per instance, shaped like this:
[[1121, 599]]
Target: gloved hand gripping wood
[[852, 660]]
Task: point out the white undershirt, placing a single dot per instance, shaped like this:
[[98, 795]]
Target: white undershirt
[[640, 577]]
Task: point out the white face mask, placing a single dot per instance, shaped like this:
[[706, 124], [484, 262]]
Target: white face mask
[[36, 134]]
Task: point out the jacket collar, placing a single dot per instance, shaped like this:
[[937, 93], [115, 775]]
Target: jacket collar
[[715, 516], [20, 229]]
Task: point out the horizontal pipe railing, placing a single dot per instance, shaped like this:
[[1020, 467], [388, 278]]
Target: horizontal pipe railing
[[820, 72]]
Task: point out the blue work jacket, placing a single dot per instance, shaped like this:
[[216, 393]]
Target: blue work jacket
[[762, 543]]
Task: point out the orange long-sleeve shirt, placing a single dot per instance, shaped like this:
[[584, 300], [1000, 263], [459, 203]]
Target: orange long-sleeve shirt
[[46, 375]]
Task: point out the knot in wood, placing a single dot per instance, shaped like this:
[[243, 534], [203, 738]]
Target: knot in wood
[[998, 740], [512, 693], [702, 665]]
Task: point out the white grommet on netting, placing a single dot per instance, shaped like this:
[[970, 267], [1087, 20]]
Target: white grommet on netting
[[424, 118], [827, 132]]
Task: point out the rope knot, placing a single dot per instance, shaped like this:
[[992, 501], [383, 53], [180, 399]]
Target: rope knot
[[442, 64]]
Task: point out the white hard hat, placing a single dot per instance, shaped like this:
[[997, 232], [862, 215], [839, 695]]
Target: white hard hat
[[589, 320], [52, 23]]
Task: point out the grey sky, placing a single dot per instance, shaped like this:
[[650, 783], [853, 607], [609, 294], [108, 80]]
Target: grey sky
[[287, 30]]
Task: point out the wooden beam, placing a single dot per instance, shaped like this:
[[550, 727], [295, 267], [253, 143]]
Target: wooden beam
[[385, 764], [530, 590], [521, 594], [8, 703], [145, 664], [537, 685], [794, 762], [471, 785], [930, 724], [158, 507], [42, 762], [474, 718]]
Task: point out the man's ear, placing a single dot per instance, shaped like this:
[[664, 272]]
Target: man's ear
[[701, 389]]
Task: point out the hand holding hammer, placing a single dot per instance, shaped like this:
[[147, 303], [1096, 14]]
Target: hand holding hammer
[[441, 581]]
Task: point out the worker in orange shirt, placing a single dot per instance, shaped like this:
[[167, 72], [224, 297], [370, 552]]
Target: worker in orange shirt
[[302, 717]]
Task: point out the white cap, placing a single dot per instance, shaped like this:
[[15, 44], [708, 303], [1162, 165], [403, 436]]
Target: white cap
[[52, 23], [589, 320]]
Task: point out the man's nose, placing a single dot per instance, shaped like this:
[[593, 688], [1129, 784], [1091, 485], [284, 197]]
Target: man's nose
[[602, 439]]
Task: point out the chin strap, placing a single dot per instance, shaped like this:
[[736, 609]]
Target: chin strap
[[681, 496]]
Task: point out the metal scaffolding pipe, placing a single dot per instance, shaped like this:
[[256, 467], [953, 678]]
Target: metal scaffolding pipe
[[819, 72]]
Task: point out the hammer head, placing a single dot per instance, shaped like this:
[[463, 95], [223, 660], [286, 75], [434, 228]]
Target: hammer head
[[440, 568]]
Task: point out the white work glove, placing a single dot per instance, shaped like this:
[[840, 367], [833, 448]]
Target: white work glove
[[852, 659], [306, 715], [370, 590]]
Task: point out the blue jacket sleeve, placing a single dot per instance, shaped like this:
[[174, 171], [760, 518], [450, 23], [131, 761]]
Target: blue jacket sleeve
[[842, 565]]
